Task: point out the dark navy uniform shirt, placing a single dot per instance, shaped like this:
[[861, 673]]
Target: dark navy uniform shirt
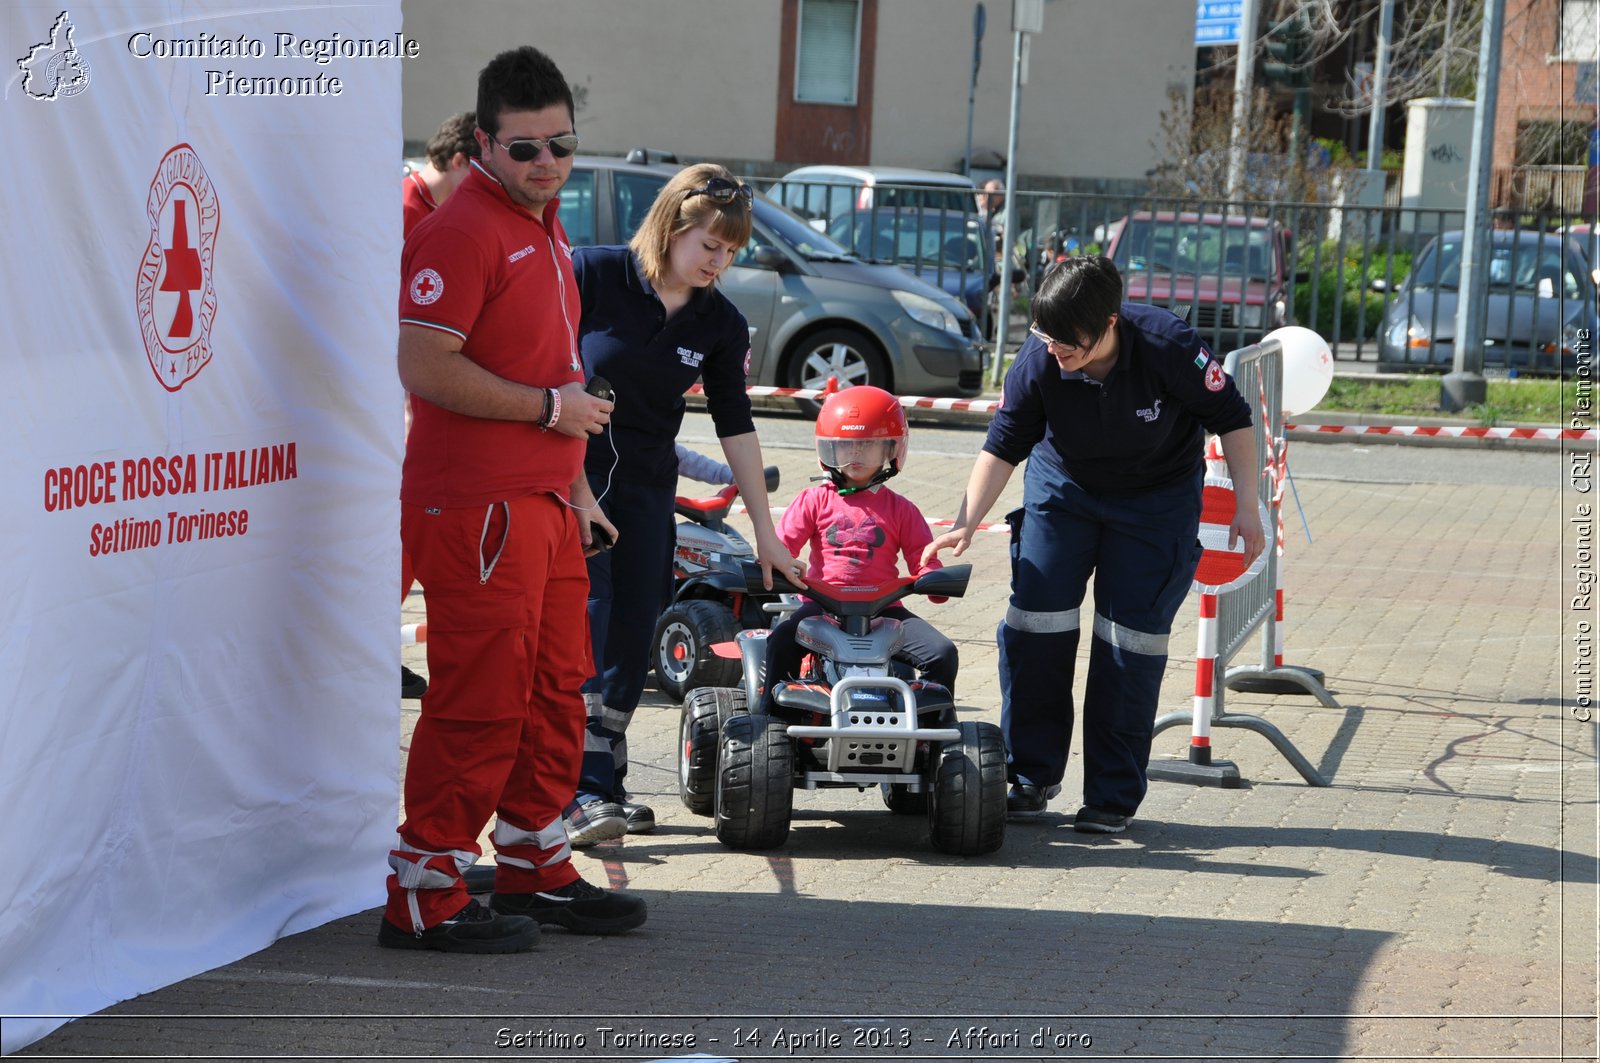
[[650, 361], [1140, 429]]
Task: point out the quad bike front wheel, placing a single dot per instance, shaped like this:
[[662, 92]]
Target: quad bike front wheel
[[699, 736], [967, 806], [755, 783], [682, 656]]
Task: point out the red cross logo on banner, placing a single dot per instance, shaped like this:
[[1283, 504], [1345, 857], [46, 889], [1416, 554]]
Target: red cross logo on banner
[[175, 291]]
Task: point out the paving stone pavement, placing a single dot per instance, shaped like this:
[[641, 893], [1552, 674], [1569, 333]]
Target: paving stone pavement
[[1438, 900]]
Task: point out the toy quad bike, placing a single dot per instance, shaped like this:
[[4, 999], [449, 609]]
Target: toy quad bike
[[710, 602], [851, 720]]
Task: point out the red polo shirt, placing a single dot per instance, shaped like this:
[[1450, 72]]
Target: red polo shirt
[[485, 269], [415, 201]]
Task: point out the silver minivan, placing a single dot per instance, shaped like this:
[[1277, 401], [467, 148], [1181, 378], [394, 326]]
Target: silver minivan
[[819, 311], [822, 194]]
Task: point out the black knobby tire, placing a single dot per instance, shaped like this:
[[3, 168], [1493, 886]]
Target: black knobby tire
[[699, 735], [682, 655], [851, 356], [904, 802], [755, 783], [967, 812]]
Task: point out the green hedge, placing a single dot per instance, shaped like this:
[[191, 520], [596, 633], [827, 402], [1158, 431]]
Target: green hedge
[[1344, 287]]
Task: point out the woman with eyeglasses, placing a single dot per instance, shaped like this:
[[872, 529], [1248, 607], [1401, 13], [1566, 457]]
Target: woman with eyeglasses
[[1106, 401], [653, 323]]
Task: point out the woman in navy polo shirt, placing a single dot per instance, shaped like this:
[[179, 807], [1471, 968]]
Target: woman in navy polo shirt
[[653, 323], [1105, 402]]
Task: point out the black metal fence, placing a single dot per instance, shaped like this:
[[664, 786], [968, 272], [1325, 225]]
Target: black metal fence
[[1244, 268]]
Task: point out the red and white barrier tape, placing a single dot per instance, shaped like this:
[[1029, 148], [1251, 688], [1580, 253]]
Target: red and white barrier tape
[[1450, 431], [919, 402]]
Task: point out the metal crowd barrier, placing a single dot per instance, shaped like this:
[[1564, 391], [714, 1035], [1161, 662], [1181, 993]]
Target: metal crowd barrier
[[1230, 617]]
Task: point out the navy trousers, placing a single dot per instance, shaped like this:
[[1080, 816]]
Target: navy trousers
[[1142, 551], [629, 586]]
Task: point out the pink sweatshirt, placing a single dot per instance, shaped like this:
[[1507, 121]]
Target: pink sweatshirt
[[855, 539]]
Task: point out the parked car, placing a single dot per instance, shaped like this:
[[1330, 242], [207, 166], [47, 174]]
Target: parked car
[[1541, 305], [818, 310], [821, 194], [949, 248], [1231, 272]]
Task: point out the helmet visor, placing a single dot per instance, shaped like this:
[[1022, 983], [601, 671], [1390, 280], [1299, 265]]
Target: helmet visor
[[868, 453]]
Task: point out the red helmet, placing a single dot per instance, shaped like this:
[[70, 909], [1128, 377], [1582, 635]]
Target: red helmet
[[856, 417]]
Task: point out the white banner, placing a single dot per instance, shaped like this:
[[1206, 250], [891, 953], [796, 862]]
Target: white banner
[[198, 662]]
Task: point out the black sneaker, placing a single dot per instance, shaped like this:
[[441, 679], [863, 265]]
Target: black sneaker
[[578, 906], [594, 820], [472, 929], [641, 819], [1099, 821], [1026, 798], [412, 685]]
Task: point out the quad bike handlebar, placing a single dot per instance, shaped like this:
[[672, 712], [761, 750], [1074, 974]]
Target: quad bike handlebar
[[842, 601]]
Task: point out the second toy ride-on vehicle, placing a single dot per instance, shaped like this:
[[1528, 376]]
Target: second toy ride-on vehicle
[[710, 602], [851, 720]]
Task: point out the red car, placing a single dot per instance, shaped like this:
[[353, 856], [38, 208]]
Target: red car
[[1231, 272]]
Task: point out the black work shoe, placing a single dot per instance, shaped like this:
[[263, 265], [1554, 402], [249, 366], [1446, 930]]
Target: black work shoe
[[1099, 821], [472, 929], [640, 818], [578, 906], [412, 685], [1026, 798]]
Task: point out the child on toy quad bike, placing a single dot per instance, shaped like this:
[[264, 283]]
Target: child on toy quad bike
[[856, 527]]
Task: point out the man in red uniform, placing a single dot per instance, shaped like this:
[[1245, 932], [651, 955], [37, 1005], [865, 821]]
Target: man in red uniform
[[450, 155], [493, 476]]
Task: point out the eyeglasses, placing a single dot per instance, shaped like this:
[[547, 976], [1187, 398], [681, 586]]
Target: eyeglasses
[[1052, 344], [722, 190], [529, 148]]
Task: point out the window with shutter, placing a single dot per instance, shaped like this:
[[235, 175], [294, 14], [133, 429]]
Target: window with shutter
[[828, 51]]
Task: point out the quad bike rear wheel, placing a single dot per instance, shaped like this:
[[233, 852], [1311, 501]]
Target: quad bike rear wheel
[[682, 656]]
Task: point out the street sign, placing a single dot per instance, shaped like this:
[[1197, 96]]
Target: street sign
[[1217, 21]]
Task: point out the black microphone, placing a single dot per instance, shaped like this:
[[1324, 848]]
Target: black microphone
[[600, 388]]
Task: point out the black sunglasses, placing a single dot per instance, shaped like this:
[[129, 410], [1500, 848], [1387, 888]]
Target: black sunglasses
[[530, 148], [722, 190]]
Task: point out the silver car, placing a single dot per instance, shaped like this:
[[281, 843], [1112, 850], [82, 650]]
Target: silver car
[[1541, 305], [819, 311]]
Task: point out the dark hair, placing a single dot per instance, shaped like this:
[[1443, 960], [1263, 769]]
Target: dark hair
[[523, 79], [1075, 301], [454, 136]]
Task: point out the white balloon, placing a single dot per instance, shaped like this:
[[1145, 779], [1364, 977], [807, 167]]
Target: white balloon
[[1307, 368]]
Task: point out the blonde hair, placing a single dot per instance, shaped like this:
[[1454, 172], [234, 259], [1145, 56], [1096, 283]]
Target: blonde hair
[[675, 212]]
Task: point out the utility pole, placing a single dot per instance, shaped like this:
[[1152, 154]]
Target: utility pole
[[1243, 76], [1380, 86], [980, 20], [1464, 385], [1027, 16]]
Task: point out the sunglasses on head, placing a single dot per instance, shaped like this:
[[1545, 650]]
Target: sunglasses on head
[[722, 190], [530, 148]]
